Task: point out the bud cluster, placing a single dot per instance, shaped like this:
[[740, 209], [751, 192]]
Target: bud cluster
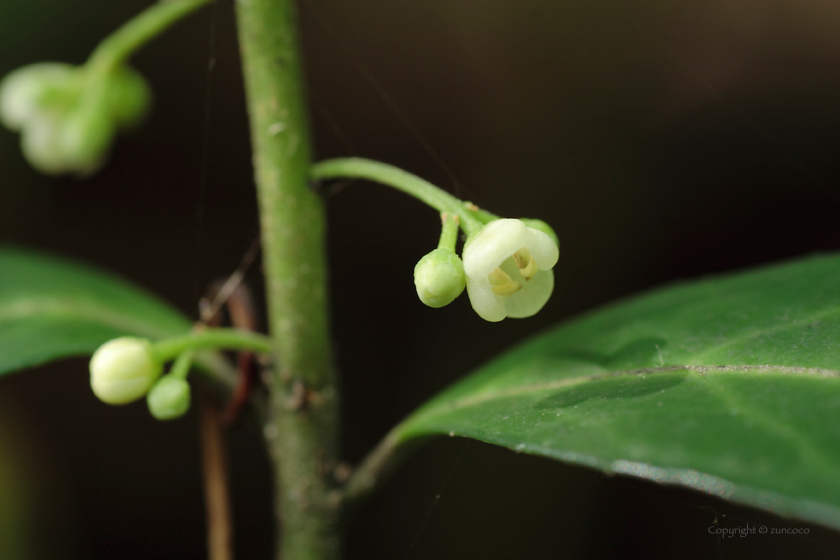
[[126, 369], [68, 116]]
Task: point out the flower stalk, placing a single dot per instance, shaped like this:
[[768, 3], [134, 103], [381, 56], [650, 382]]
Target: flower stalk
[[215, 338], [115, 49], [437, 198]]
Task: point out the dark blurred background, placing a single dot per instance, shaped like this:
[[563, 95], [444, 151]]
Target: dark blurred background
[[662, 140]]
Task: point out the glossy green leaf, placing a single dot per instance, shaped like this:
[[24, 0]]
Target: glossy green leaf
[[52, 308], [728, 385]]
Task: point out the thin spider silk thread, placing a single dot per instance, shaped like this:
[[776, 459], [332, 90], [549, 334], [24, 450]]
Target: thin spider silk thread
[[380, 91], [428, 516], [198, 280]]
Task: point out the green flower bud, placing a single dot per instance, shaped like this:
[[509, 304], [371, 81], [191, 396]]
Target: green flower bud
[[439, 278], [540, 225], [129, 97], [169, 398], [68, 116], [77, 143], [123, 370], [28, 92], [85, 141]]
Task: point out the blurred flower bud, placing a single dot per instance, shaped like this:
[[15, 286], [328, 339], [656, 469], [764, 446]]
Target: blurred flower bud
[[85, 141], [123, 370], [169, 398], [68, 116], [129, 97], [27, 92], [78, 143], [439, 278]]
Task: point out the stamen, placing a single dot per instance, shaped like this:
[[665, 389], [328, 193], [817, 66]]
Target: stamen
[[529, 271], [506, 290], [522, 257], [501, 283], [526, 264], [499, 278]]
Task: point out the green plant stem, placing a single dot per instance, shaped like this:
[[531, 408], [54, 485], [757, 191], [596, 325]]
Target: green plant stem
[[182, 365], [302, 428], [227, 339], [449, 231], [121, 44], [483, 215], [360, 168]]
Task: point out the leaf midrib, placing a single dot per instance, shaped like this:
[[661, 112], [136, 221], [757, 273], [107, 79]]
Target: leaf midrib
[[75, 308], [465, 402]]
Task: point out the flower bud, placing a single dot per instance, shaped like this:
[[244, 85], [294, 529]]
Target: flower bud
[[169, 398], [123, 370], [129, 97], [28, 92], [85, 141], [540, 225], [76, 143], [68, 116], [439, 278]]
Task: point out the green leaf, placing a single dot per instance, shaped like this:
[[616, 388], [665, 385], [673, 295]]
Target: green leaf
[[727, 385], [52, 308]]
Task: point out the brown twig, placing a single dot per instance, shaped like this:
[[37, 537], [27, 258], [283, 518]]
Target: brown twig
[[242, 313], [233, 295], [214, 470]]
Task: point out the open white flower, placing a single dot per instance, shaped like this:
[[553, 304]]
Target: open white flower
[[508, 267]]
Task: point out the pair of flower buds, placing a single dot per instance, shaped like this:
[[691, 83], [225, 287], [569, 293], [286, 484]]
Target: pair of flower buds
[[506, 269], [69, 115], [126, 369]]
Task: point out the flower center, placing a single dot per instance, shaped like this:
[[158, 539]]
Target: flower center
[[502, 285], [500, 281], [525, 263]]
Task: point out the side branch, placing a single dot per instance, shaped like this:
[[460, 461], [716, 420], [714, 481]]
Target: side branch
[[375, 469], [385, 174]]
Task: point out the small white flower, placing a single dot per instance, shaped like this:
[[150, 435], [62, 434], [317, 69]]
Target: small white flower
[[508, 267]]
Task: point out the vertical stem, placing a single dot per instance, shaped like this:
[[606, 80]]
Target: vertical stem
[[302, 430]]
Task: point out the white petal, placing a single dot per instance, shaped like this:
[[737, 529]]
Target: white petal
[[533, 295], [493, 243], [488, 305], [542, 248]]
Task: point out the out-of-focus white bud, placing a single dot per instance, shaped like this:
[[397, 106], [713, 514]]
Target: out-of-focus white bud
[[123, 370]]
